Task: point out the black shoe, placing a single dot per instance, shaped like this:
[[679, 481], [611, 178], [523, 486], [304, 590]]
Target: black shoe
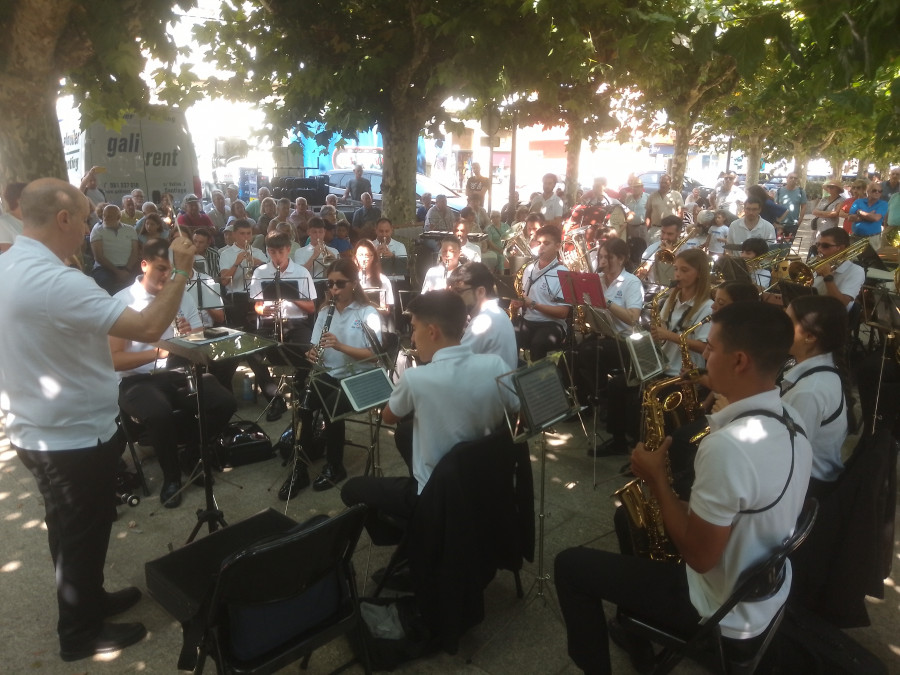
[[639, 650], [121, 601], [613, 446], [329, 477], [298, 480], [112, 638], [169, 496], [277, 408], [400, 580]]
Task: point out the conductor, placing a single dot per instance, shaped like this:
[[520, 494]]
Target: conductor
[[60, 410]]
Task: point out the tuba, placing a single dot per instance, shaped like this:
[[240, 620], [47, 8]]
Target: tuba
[[645, 522], [575, 252]]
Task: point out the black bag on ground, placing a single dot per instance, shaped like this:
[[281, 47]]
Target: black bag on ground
[[242, 442], [394, 632]]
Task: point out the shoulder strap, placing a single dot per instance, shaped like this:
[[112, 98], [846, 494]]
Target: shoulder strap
[[823, 369], [792, 430]]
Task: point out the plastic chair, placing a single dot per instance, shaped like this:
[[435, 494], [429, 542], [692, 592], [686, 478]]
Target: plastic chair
[[278, 600], [758, 582]]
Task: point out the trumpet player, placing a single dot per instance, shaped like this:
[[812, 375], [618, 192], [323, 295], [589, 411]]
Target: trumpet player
[[752, 474], [317, 255], [236, 264], [448, 260], [753, 248], [385, 244], [669, 233], [841, 281]]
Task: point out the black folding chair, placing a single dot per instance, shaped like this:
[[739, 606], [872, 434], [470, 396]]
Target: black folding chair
[[278, 600], [758, 582]]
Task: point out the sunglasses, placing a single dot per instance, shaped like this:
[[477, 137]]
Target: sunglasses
[[340, 283]]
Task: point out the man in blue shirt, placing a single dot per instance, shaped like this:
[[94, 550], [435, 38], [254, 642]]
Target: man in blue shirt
[[793, 198], [867, 215]]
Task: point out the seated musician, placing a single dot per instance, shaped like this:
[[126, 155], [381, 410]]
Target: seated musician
[[448, 260], [669, 233], [151, 394], [236, 264], [818, 387], [316, 255], [489, 330], [471, 252], [296, 316], [373, 279], [750, 225], [752, 474], [337, 350], [543, 326], [843, 281], [753, 248], [470, 405], [598, 356]]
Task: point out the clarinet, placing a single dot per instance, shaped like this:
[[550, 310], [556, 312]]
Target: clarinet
[[320, 355]]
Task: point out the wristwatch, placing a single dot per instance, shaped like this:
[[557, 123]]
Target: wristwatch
[[533, 304], [828, 278], [609, 304]]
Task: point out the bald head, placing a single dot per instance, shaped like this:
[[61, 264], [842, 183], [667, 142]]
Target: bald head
[[44, 198]]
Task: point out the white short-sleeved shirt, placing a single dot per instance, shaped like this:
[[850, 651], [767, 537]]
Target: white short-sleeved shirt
[[648, 255], [137, 297], [347, 326], [550, 208], [744, 464], [542, 286], [471, 251], [491, 332], [10, 228], [817, 397], [293, 272], [304, 253], [676, 321], [848, 277], [447, 413], [241, 279], [738, 233], [435, 279], [627, 291], [117, 243], [57, 382], [718, 239]]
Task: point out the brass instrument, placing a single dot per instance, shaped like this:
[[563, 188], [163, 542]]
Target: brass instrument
[[767, 260], [803, 274], [645, 522], [575, 253], [666, 255]]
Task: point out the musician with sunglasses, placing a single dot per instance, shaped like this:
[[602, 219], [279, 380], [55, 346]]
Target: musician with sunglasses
[[338, 350], [842, 281]]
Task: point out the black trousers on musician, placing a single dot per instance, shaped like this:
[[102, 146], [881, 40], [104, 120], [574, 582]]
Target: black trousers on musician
[[154, 399], [329, 398], [540, 337], [77, 488], [652, 590], [595, 358]]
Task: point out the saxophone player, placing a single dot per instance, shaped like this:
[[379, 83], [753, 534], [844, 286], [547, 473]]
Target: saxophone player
[[339, 341], [752, 473]]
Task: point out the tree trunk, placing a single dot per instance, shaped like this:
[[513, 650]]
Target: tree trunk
[[754, 157], [801, 162], [862, 170], [573, 158], [679, 159], [400, 132], [30, 141]]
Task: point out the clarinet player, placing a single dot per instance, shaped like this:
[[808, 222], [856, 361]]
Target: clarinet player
[[338, 342]]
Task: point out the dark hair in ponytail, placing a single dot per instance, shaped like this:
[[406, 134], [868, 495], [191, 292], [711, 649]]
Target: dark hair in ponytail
[[825, 317]]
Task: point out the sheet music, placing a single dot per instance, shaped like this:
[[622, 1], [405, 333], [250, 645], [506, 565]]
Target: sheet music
[[368, 390], [542, 395]]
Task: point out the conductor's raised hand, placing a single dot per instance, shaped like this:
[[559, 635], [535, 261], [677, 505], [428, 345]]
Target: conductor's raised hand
[[183, 252]]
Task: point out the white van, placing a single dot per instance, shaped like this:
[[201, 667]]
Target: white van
[[155, 154]]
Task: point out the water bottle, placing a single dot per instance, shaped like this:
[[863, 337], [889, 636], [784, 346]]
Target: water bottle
[[248, 393]]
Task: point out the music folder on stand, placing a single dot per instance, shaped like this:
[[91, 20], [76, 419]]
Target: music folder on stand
[[543, 401], [201, 349]]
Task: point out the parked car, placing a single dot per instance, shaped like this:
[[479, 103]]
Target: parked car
[[339, 178], [650, 179]]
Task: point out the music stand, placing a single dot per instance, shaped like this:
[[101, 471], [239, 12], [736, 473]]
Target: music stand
[[543, 401], [582, 288], [884, 312], [394, 266], [200, 351], [206, 291]]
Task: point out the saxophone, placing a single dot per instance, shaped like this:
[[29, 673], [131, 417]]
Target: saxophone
[[691, 402], [645, 522], [655, 316], [320, 355]]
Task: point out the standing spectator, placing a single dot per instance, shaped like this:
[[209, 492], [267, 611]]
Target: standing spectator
[[422, 211], [217, 213], [825, 212], [892, 186], [867, 215], [477, 186], [115, 249], [254, 208], [357, 185], [547, 203], [129, 214], [193, 216], [857, 190], [793, 198], [636, 202], [729, 197], [68, 440], [664, 202], [94, 194], [11, 219]]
